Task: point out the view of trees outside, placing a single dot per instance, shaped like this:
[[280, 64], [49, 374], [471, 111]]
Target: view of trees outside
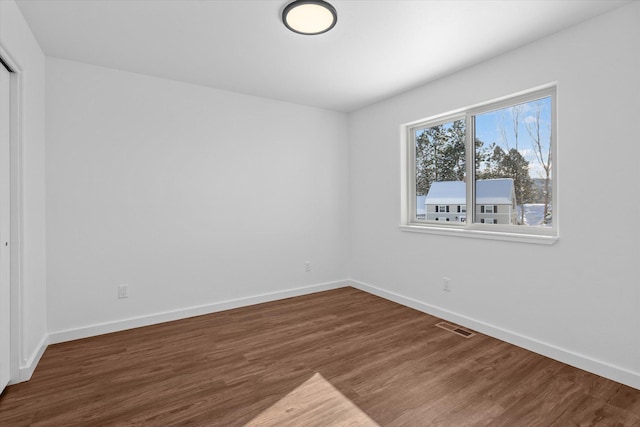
[[517, 145], [440, 155], [513, 142]]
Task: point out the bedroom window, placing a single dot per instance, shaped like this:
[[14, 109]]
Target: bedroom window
[[498, 158]]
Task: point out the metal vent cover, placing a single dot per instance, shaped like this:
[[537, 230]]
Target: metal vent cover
[[455, 329]]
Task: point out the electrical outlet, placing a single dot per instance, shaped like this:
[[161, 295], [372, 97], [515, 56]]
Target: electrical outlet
[[307, 266], [123, 291], [446, 284]]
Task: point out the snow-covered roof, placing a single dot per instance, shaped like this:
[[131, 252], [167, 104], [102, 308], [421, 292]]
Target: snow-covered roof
[[488, 192], [447, 193], [494, 191]]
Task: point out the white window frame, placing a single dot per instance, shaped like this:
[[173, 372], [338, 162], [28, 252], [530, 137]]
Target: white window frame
[[472, 227]]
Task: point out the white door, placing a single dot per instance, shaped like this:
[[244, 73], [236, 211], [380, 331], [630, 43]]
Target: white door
[[5, 119]]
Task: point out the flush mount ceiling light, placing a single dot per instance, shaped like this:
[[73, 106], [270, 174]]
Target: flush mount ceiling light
[[309, 17]]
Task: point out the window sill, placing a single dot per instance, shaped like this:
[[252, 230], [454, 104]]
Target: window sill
[[481, 234]]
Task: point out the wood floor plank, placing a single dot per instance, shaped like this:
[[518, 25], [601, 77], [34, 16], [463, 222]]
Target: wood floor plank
[[387, 364]]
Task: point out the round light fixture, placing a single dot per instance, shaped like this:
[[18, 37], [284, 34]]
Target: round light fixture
[[309, 17]]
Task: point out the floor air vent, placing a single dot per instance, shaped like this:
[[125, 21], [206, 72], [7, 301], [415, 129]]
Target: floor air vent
[[455, 329]]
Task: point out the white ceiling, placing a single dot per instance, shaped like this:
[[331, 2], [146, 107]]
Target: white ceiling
[[377, 49]]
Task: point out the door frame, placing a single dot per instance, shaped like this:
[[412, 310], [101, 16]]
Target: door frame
[[16, 233]]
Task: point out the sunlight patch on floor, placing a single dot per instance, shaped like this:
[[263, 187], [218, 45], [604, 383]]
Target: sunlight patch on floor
[[314, 403]]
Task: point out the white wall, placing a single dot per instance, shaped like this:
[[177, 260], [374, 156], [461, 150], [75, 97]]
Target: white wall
[[18, 43], [191, 196], [577, 300]]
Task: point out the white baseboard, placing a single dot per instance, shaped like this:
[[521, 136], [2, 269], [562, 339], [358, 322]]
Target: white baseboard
[[26, 371], [598, 367], [168, 316]]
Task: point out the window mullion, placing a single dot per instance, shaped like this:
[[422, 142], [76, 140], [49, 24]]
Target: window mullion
[[470, 157]]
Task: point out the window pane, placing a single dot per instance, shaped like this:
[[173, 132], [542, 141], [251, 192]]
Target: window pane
[[514, 165], [440, 171]]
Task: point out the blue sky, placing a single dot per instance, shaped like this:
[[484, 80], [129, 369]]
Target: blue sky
[[497, 126]]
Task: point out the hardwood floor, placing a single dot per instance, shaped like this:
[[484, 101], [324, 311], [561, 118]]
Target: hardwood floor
[[239, 366]]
